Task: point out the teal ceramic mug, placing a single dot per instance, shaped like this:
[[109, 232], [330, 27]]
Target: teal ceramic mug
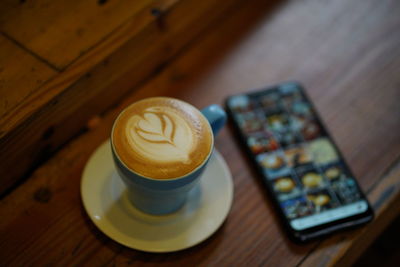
[[146, 191]]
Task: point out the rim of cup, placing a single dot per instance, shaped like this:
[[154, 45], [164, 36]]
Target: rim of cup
[[164, 179]]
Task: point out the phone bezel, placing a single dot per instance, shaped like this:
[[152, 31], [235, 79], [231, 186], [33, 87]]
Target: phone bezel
[[321, 229]]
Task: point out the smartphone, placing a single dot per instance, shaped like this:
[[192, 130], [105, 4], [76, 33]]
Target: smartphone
[[302, 169]]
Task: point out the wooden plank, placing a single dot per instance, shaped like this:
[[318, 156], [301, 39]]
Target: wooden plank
[[61, 31], [67, 112], [19, 81], [96, 55], [287, 43]]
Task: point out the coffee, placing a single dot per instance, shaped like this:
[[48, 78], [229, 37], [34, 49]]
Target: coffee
[[162, 138]]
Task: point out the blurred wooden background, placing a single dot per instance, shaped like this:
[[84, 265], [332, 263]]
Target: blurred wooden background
[[64, 62], [67, 68]]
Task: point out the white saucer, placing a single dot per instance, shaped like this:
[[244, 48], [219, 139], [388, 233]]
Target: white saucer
[[105, 200]]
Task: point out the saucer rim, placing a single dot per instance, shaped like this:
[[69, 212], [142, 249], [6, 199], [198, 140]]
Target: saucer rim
[[221, 163]]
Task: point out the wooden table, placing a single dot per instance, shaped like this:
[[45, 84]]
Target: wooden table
[[346, 53]]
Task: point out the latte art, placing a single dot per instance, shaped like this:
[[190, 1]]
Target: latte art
[[160, 135], [162, 138]]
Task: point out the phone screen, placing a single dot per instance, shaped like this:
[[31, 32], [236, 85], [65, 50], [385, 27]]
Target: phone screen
[[309, 179]]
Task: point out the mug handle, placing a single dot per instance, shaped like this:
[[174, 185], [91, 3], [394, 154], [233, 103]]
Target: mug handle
[[216, 116]]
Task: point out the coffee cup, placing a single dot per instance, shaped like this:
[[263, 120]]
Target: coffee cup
[[160, 147]]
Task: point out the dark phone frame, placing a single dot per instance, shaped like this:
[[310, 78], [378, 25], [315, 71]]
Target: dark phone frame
[[302, 236]]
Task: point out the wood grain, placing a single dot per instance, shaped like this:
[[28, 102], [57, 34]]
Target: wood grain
[[338, 52], [64, 115], [99, 54], [61, 31], [347, 56], [18, 81]]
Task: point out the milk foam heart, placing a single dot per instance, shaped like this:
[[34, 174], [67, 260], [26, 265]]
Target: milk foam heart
[[162, 138], [160, 135]]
